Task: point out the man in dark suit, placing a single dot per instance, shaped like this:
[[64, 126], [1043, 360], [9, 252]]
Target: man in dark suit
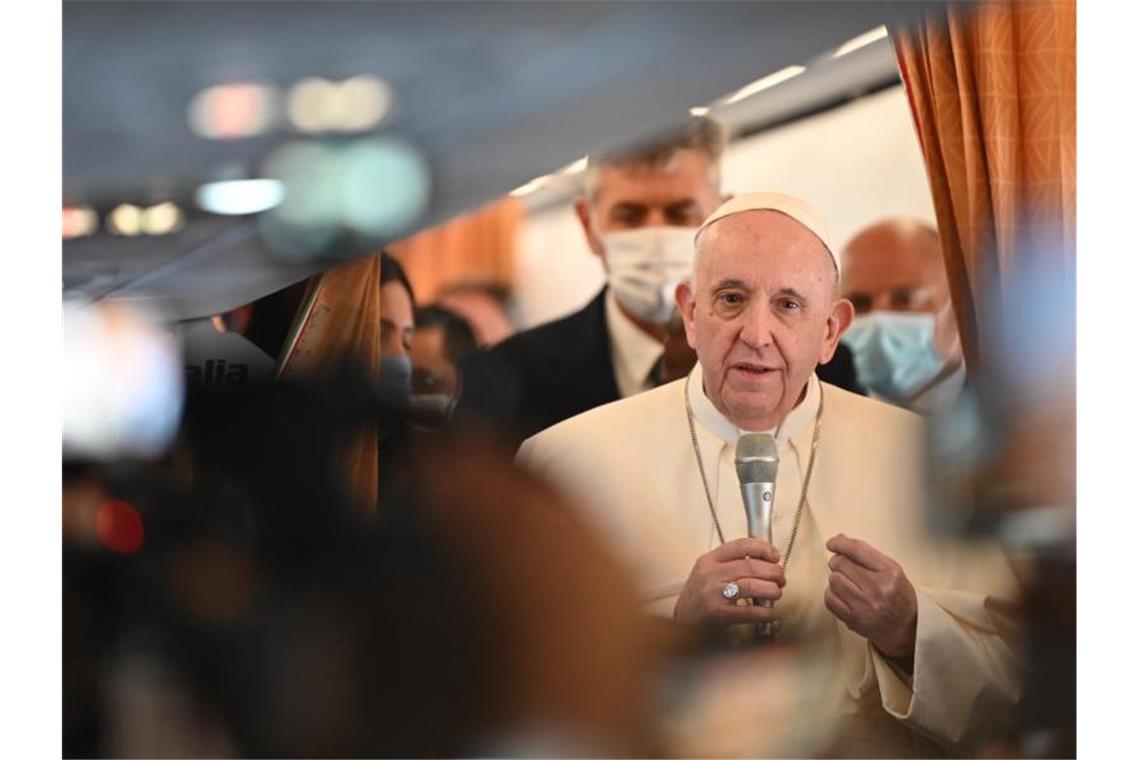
[[639, 212]]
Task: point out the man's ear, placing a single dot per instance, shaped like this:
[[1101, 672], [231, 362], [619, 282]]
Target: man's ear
[[842, 314], [582, 209], [687, 307]]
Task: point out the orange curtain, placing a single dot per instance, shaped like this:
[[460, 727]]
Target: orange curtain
[[992, 89], [339, 318], [478, 247]]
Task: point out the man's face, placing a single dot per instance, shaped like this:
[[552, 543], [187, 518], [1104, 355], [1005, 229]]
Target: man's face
[[897, 265], [432, 372], [681, 194], [396, 320], [761, 313], [894, 267]]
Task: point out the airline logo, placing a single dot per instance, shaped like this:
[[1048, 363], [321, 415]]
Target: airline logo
[[222, 360]]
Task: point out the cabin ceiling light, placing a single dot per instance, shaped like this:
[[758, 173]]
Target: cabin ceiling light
[[125, 219], [79, 221], [161, 219], [765, 83], [863, 40], [233, 111], [531, 186], [575, 167], [242, 196]]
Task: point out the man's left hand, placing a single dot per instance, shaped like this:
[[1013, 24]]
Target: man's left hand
[[870, 593]]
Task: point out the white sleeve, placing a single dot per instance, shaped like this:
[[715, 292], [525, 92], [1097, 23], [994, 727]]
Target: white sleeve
[[967, 678]]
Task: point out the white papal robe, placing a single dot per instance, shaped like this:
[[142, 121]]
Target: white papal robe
[[631, 466]]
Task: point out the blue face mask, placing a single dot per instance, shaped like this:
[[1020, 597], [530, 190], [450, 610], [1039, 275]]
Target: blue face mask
[[396, 375], [894, 352]]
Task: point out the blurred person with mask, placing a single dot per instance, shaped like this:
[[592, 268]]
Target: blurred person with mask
[[904, 337], [485, 306], [397, 324], [441, 337], [918, 638], [640, 210]]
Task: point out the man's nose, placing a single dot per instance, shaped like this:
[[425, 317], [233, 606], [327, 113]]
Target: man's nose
[[756, 327], [881, 302]]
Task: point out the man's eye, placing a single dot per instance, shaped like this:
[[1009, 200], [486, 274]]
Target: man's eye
[[788, 304], [902, 299], [731, 299], [627, 217], [686, 217]]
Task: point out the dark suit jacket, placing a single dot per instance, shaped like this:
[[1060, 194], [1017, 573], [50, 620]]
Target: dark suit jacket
[[552, 372]]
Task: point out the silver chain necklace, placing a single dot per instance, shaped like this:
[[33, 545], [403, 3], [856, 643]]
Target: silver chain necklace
[[787, 554]]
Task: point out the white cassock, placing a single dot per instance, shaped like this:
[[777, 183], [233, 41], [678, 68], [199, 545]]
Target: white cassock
[[631, 466]]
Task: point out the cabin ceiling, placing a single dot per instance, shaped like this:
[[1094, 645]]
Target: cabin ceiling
[[491, 93]]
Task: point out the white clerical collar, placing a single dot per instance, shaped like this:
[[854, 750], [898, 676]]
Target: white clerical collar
[[709, 416], [633, 351]]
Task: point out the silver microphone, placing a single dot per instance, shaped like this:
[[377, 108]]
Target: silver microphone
[[757, 460]]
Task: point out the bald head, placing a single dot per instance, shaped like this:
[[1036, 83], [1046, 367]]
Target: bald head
[[895, 265], [762, 231], [894, 277]]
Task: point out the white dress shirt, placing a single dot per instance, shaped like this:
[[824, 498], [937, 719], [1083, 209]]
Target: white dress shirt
[[632, 351]]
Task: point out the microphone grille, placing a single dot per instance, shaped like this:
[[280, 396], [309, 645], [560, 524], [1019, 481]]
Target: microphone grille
[[757, 458]]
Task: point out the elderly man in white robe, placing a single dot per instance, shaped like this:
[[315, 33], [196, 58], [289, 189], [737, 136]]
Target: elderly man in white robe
[[921, 634]]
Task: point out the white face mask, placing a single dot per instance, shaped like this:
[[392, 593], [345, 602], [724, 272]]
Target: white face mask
[[646, 265]]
